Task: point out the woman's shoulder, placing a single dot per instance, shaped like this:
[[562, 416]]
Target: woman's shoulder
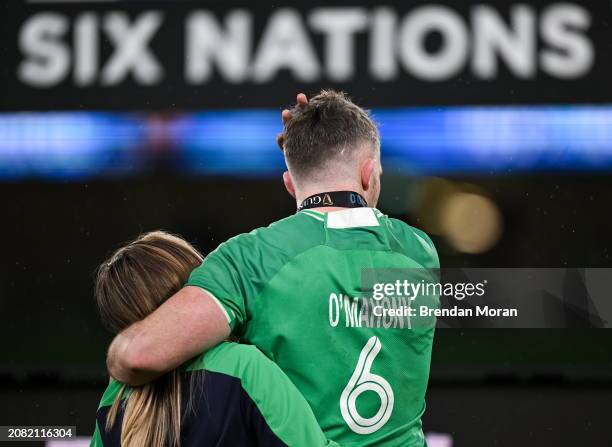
[[112, 390], [272, 399], [230, 358]]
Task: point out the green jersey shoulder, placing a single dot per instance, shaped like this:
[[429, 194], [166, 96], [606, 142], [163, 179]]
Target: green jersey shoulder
[[240, 267]]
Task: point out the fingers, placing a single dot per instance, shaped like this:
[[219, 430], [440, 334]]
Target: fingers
[[302, 99], [280, 140], [286, 115]]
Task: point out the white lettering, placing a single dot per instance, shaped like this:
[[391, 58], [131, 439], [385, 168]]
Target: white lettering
[[131, 51], [449, 59], [48, 59], [339, 26], [285, 44], [207, 45], [516, 46], [572, 54]]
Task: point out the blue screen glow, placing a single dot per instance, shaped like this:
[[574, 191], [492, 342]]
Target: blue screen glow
[[420, 141]]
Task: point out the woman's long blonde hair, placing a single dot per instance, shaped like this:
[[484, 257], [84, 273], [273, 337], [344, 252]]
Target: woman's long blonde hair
[[130, 285]]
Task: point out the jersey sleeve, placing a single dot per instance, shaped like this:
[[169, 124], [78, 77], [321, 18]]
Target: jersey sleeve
[[430, 258], [227, 275], [96, 440], [284, 409], [415, 244]]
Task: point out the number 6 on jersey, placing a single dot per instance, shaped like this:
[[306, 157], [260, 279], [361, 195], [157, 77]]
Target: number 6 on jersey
[[361, 381]]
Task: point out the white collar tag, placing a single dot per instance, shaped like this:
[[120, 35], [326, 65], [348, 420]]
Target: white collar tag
[[352, 217]]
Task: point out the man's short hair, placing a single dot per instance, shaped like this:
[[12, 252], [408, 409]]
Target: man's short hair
[[327, 130]]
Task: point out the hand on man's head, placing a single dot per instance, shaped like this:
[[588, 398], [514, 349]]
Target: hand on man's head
[[301, 99]]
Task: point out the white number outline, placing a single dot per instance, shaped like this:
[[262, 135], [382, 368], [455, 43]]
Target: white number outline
[[363, 380]]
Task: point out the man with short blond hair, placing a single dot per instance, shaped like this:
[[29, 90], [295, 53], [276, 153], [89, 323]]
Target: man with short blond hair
[[290, 289]]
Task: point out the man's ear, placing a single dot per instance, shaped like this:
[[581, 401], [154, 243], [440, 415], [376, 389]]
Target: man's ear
[[288, 181], [367, 172]]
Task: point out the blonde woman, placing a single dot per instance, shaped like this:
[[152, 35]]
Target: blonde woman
[[231, 395]]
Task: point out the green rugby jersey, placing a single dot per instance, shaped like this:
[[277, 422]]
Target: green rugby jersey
[[289, 289], [243, 399]]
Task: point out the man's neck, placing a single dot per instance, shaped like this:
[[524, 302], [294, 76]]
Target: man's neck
[[303, 195]]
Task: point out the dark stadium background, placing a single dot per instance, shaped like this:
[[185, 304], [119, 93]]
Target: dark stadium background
[[60, 220]]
